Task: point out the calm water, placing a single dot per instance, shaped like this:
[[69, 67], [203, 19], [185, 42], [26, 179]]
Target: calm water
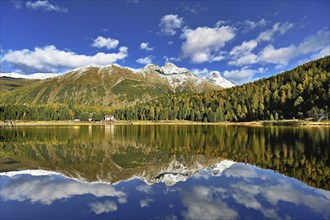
[[164, 172]]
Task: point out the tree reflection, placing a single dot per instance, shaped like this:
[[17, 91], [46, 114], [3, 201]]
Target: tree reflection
[[95, 152]]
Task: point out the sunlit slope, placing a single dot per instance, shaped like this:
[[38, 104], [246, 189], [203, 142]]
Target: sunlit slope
[[105, 86]]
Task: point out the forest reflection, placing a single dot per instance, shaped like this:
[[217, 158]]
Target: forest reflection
[[95, 151]]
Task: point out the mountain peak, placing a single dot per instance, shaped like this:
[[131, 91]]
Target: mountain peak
[[216, 78]]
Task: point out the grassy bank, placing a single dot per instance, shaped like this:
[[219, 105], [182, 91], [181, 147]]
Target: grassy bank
[[168, 122]]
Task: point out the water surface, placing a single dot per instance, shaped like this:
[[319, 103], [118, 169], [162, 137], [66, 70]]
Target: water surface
[[164, 172]]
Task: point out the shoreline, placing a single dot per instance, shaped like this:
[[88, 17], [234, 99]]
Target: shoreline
[[167, 122]]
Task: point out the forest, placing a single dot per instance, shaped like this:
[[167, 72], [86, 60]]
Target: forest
[[299, 93], [302, 92]]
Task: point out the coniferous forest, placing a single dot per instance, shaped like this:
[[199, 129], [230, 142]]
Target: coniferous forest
[[299, 93], [302, 92]]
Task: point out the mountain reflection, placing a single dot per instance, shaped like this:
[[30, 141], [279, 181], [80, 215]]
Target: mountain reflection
[[235, 191], [114, 153]]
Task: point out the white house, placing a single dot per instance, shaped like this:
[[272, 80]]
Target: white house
[[109, 118]]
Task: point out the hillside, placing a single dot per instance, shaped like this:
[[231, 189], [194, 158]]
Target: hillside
[[109, 86], [299, 93], [8, 83]]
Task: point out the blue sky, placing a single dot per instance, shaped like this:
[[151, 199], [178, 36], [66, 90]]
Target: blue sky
[[243, 40]]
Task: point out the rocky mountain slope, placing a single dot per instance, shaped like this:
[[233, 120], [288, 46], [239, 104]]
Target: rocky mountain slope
[[109, 86]]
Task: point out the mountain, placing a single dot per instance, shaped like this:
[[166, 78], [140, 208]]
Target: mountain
[[35, 76], [9, 83], [171, 177], [302, 92], [219, 80], [109, 86]]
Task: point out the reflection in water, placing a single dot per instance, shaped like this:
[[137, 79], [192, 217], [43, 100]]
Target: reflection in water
[[234, 191], [113, 153]]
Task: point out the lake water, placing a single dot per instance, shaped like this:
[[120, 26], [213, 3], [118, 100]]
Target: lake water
[[164, 172]]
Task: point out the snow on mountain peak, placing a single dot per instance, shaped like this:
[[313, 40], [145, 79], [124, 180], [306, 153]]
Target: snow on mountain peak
[[179, 172], [216, 78], [170, 68]]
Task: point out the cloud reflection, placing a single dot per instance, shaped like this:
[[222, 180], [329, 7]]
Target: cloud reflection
[[47, 189], [204, 203], [103, 207]]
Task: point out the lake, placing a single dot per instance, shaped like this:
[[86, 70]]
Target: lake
[[164, 172]]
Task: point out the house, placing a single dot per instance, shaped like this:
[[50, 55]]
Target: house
[[90, 117], [109, 118]]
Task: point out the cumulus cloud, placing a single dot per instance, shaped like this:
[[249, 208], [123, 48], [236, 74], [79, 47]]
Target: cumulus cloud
[[277, 56], [44, 5], [103, 207], [249, 58], [317, 44], [108, 43], [200, 72], [280, 28], [281, 56], [242, 54], [171, 59], [170, 23], [145, 46], [240, 76], [194, 9], [245, 48], [49, 58], [203, 43], [250, 25], [144, 60], [322, 53]]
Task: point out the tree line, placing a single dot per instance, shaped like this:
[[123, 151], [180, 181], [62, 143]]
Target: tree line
[[299, 93], [50, 112]]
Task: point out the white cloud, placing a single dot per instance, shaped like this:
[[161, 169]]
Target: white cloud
[[280, 28], [103, 207], [200, 72], [313, 44], [44, 5], [221, 23], [277, 56], [108, 43], [194, 9], [244, 59], [145, 46], [45, 190], [171, 59], [242, 54], [245, 48], [145, 202], [322, 53], [144, 60], [51, 58], [250, 25], [170, 23], [317, 44], [218, 58], [202, 44], [240, 76]]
